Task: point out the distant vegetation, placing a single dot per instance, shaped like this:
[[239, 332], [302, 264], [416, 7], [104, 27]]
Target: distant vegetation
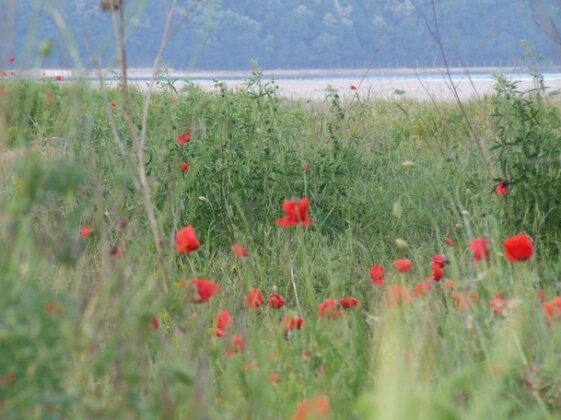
[[286, 34]]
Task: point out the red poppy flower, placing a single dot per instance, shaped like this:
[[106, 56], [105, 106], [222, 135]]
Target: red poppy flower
[[552, 309], [349, 302], [50, 309], [113, 105], [377, 275], [184, 167], [397, 295], [547, 309], [498, 305], [223, 321], [58, 78], [353, 87], [254, 299], [276, 301], [8, 379], [295, 213], [315, 408], [306, 167], [274, 378], [238, 342], [186, 240], [501, 189], [464, 300], [439, 260], [518, 248], [239, 251], [116, 252], [436, 273], [12, 59], [154, 324], [421, 289], [183, 138], [479, 249], [448, 285], [203, 289], [238, 345], [290, 323], [250, 365], [86, 231], [402, 265], [448, 241], [329, 309]]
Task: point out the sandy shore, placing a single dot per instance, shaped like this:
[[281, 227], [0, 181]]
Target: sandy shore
[[418, 84], [422, 89]]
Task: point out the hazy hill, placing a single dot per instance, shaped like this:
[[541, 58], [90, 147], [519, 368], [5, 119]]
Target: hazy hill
[[226, 34]]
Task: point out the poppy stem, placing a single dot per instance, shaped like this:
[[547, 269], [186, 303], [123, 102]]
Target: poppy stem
[[305, 184], [293, 280]]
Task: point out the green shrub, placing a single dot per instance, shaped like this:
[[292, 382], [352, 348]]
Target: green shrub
[[528, 152]]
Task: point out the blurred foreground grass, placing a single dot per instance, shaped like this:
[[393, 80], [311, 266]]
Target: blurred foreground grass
[[86, 329]]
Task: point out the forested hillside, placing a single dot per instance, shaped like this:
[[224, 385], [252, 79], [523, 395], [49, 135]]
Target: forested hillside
[[226, 34]]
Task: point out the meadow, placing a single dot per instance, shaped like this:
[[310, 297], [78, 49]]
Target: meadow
[[349, 258]]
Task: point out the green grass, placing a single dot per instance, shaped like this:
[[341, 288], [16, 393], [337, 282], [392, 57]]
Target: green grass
[[76, 339]]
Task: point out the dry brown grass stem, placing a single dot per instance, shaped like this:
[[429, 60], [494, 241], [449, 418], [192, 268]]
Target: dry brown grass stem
[[141, 179], [155, 67], [110, 5], [474, 135], [139, 139]]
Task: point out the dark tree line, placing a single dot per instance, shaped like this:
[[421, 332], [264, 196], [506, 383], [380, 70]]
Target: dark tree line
[[227, 34]]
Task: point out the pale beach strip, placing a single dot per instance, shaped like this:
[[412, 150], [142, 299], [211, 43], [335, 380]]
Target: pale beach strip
[[415, 84]]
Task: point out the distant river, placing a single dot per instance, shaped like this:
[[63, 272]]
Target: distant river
[[420, 84]]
